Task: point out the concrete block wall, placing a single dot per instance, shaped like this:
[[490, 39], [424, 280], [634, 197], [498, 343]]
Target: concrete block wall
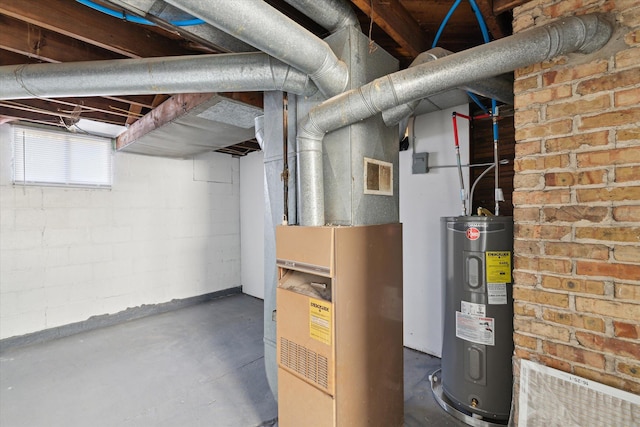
[[577, 202], [161, 233]]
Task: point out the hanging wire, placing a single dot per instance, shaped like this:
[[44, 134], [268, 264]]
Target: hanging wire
[[372, 46]]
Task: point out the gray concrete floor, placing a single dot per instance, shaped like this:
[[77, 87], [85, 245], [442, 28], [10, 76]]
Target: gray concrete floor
[[198, 366]]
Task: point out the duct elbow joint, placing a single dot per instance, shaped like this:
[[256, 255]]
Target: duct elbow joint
[[597, 32], [332, 77], [582, 34]]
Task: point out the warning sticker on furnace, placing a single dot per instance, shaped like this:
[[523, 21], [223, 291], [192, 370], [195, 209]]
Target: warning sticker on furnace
[[476, 329], [320, 320], [498, 266]]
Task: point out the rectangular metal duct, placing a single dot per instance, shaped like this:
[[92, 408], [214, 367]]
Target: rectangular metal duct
[[215, 123], [345, 150]]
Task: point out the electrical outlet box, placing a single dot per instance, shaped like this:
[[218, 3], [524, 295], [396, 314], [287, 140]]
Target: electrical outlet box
[[420, 163]]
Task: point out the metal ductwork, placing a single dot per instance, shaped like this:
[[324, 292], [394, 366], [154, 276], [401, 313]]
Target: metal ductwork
[[498, 88], [583, 34], [330, 14], [180, 74], [259, 130], [275, 34], [166, 14]]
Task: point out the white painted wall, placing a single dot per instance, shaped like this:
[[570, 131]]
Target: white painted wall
[[252, 223], [424, 199], [167, 229]]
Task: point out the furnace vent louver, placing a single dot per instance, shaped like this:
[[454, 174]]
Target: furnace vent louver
[[305, 362]]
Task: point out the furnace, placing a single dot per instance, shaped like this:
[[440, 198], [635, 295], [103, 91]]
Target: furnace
[[339, 326]]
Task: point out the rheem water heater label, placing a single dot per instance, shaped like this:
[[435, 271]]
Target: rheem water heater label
[[477, 329], [498, 266], [497, 293]]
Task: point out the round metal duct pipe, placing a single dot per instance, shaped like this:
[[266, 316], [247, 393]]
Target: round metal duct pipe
[[583, 34], [179, 74]]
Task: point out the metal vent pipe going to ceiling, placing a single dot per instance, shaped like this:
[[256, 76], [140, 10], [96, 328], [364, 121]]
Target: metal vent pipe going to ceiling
[[262, 26], [330, 14], [583, 34], [179, 74]]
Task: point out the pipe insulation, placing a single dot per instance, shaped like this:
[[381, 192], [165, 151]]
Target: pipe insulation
[[180, 74], [583, 34], [260, 25], [330, 14]]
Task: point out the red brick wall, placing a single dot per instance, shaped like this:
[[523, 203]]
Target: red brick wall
[[577, 202]]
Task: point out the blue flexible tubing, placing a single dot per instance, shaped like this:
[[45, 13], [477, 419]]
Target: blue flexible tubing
[[485, 36], [475, 99], [480, 19], [136, 19], [444, 22]]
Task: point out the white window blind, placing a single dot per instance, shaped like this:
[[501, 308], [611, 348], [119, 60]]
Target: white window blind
[[47, 157]]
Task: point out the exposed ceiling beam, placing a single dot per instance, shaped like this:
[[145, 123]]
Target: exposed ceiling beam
[[252, 98], [145, 101], [500, 6], [134, 111], [8, 57], [493, 23], [169, 110], [9, 116], [79, 22], [25, 108], [32, 41], [397, 22]]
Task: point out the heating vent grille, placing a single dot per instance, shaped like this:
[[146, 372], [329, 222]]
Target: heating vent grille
[[305, 362], [552, 397]]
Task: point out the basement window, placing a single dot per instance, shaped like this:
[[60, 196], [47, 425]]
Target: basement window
[[58, 158]]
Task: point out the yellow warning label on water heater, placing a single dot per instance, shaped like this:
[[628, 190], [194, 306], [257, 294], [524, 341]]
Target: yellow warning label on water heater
[[320, 320], [498, 266]]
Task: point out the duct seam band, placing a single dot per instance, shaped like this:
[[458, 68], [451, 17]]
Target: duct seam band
[[392, 89], [366, 99]]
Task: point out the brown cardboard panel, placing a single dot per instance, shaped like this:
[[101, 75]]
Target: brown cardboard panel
[[364, 354], [305, 245], [368, 299], [305, 405]]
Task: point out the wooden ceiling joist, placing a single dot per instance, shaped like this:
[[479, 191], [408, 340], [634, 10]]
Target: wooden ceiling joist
[[45, 45], [494, 23], [74, 20], [394, 19], [24, 109], [173, 107], [500, 6]]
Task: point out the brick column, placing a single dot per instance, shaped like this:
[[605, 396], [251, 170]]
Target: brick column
[[577, 202]]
